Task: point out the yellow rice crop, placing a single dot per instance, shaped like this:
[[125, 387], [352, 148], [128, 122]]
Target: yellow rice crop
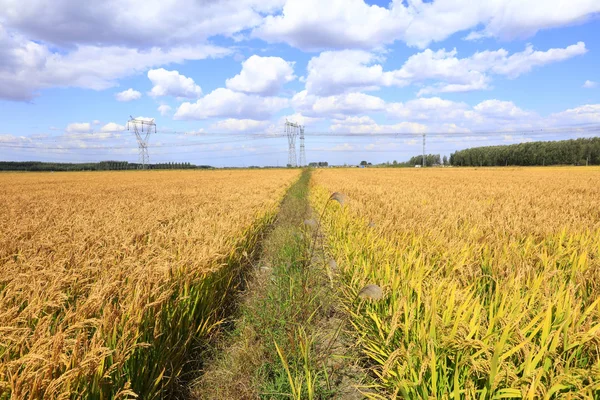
[[108, 279], [491, 278]]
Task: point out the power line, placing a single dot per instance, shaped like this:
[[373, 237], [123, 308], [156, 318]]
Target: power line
[[122, 133], [30, 145]]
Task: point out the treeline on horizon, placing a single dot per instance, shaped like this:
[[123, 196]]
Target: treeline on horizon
[[583, 151], [99, 166]]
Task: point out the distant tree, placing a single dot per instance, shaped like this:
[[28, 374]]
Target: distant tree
[[445, 160], [363, 163], [582, 151]]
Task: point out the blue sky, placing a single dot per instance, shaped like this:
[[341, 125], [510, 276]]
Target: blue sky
[[221, 77]]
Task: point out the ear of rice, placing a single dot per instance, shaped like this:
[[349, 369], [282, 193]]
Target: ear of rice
[[332, 265], [310, 222], [372, 292], [339, 197]]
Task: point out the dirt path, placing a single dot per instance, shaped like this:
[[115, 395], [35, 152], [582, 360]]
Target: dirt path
[[285, 341]]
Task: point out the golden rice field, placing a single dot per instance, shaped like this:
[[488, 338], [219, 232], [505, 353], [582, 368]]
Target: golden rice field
[[109, 280], [491, 279]]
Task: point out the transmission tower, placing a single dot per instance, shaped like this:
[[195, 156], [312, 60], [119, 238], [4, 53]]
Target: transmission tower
[[302, 160], [142, 136], [291, 130], [423, 160]]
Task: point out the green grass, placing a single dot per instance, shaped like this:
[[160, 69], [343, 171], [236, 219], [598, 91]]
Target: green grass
[[271, 352]]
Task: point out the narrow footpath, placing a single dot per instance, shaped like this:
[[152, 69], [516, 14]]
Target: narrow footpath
[[285, 339]]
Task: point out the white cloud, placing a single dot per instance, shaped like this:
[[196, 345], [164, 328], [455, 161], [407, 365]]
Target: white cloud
[[27, 66], [588, 113], [112, 127], [79, 127], [432, 109], [315, 25], [501, 109], [229, 104], [239, 125], [164, 109], [480, 82], [128, 95], [474, 73], [368, 125], [338, 105], [335, 72], [298, 118], [520, 63], [449, 116], [590, 84], [134, 23], [307, 24], [262, 75], [172, 83]]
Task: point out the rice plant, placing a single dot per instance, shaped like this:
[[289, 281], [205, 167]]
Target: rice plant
[[110, 281], [488, 279]]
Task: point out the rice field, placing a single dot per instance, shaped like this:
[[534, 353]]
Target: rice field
[[109, 280], [490, 278]]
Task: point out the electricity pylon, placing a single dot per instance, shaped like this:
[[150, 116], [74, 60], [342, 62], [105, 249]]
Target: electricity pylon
[[293, 130], [142, 136], [302, 160]]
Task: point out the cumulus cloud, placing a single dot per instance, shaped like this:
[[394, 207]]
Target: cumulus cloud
[[135, 23], [262, 75], [366, 124], [128, 95], [79, 127], [239, 125], [27, 66], [590, 84], [306, 24], [519, 63], [334, 106], [164, 109], [172, 83], [472, 73], [112, 127], [429, 109], [450, 116], [347, 111], [501, 109], [588, 113], [334, 72], [299, 118], [226, 103], [316, 25]]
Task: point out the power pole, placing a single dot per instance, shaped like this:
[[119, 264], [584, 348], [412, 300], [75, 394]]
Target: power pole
[[142, 137], [291, 130], [302, 150], [423, 160]]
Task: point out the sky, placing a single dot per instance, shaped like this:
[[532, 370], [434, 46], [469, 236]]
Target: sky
[[220, 77]]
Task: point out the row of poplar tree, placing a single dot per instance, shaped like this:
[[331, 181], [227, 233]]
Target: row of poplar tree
[[583, 151]]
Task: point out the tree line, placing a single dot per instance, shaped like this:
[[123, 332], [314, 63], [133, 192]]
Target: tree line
[[583, 151], [430, 161], [99, 166]]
